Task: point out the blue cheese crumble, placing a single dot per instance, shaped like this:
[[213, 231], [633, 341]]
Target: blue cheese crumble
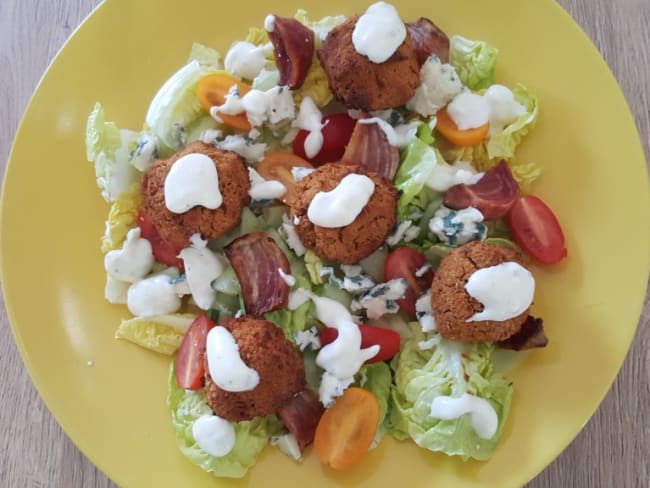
[[458, 227], [424, 313], [439, 84], [381, 299], [307, 338], [354, 281], [405, 231]]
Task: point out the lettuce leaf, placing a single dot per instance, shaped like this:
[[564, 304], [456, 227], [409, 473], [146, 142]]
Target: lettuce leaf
[[122, 217], [452, 369], [206, 56], [376, 378], [502, 145], [160, 333], [474, 61], [251, 436], [109, 148]]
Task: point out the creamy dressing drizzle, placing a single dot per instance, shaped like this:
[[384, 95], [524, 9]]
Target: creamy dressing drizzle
[[340, 206], [226, 367], [214, 435], [202, 267], [343, 357], [399, 136], [133, 261], [469, 111], [483, 417], [496, 106], [505, 290], [155, 295], [379, 32], [310, 119], [193, 180], [245, 60]]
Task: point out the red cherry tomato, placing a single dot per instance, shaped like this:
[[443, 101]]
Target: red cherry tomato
[[404, 262], [537, 230], [387, 339], [190, 357], [163, 251], [336, 135]]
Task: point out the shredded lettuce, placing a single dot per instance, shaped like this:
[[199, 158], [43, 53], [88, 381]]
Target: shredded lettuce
[[251, 436], [161, 333], [122, 217], [451, 369], [474, 61]]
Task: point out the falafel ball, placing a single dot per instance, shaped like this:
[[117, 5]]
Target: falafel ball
[[358, 82], [210, 223], [451, 303], [349, 244], [264, 348]]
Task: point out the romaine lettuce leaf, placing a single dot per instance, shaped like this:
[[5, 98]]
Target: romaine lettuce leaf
[[160, 333], [474, 61], [122, 217], [417, 163], [376, 378], [251, 436], [451, 369]]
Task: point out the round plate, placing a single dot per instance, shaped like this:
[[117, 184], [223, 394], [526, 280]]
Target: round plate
[[52, 217]]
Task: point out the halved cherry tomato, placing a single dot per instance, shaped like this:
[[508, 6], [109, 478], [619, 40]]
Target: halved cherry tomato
[[537, 230], [163, 251], [448, 128], [277, 166], [387, 339], [346, 429], [403, 262], [212, 90], [190, 357], [337, 131]]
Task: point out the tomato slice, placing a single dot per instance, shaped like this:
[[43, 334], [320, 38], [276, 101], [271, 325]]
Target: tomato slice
[[448, 128], [212, 90], [404, 262], [277, 166], [387, 339], [346, 429], [537, 230], [336, 135], [163, 251], [190, 357]]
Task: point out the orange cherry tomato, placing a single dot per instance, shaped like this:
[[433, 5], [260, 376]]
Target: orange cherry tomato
[[346, 429], [212, 90], [448, 128], [277, 166]]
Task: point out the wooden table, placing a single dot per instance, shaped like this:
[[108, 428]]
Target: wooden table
[[611, 451]]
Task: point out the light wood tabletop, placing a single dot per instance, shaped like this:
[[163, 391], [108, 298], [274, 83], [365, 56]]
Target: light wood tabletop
[[611, 451]]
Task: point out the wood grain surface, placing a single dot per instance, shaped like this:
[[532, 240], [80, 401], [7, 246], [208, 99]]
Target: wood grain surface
[[611, 451]]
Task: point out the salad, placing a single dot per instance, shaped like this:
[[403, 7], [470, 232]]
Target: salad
[[329, 233]]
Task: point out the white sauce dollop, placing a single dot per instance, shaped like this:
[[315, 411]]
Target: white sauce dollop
[[400, 136], [245, 60], [483, 417], [133, 262], [192, 180], [379, 32], [505, 290], [310, 119], [504, 109], [469, 111], [343, 357], [443, 176], [340, 206], [227, 369], [202, 267], [155, 295], [269, 23], [214, 435]]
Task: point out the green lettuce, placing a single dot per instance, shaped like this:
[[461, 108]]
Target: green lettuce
[[474, 61], [206, 56], [122, 217], [251, 436], [109, 148], [160, 333], [452, 369], [376, 378], [502, 145]]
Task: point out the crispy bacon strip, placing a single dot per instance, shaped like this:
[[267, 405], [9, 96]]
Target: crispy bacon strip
[[369, 148], [256, 258], [300, 415], [293, 49], [493, 194], [428, 39], [529, 336]]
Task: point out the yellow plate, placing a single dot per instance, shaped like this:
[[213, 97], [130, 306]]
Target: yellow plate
[[52, 217]]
